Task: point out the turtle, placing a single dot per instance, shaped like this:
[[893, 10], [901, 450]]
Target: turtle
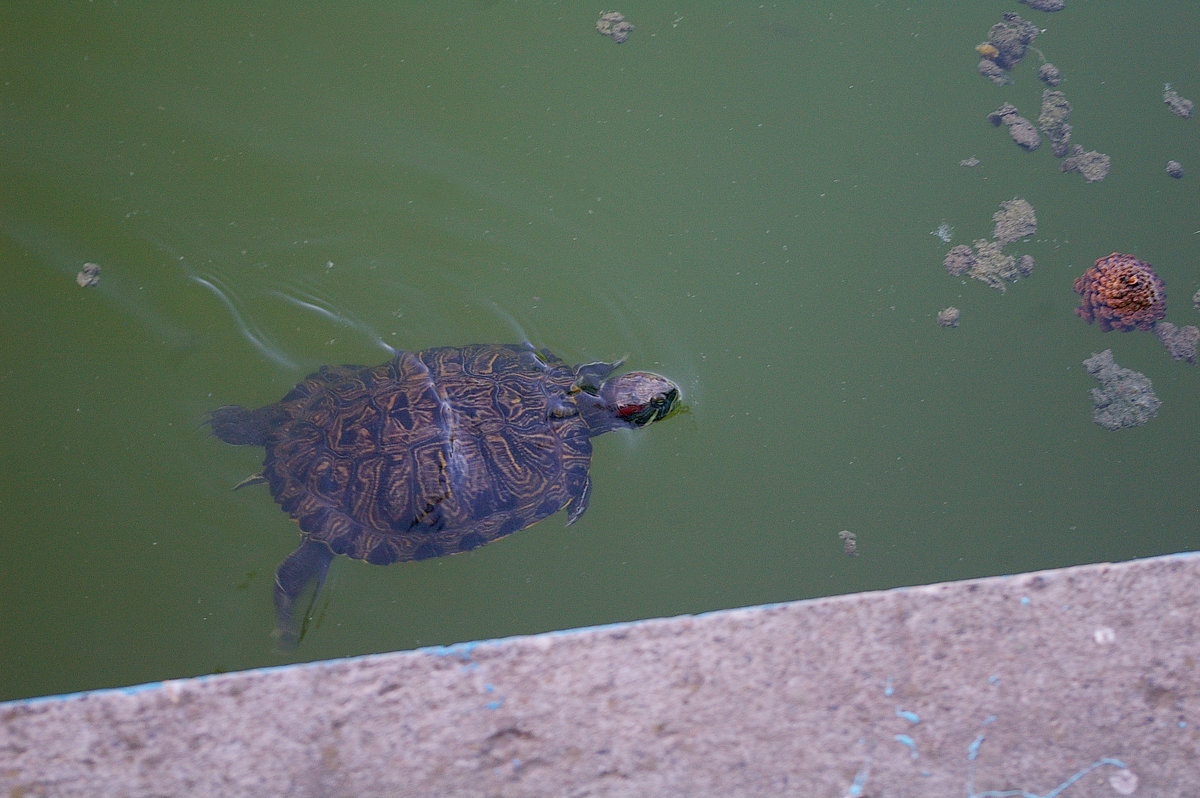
[[432, 453]]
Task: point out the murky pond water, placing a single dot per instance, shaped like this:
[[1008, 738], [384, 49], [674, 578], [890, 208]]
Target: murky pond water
[[740, 198]]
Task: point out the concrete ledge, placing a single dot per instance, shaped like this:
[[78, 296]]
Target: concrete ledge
[[1075, 682]]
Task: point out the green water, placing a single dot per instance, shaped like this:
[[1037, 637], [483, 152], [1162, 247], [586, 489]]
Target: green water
[[740, 197]]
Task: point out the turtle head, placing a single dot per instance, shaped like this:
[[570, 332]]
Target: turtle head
[[639, 397]]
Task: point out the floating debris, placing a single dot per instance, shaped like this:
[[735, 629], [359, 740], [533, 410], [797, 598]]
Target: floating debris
[[944, 232], [1121, 292], [969, 162], [987, 262], [1091, 164], [1052, 121], [1179, 105], [992, 266], [1015, 220], [993, 71], [1175, 169], [1125, 397], [1006, 44], [1045, 5], [849, 543], [1048, 73], [988, 51], [1181, 342], [948, 317], [1011, 38], [960, 259], [89, 275], [1021, 129], [612, 23]]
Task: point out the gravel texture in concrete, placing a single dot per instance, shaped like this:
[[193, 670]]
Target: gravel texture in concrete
[[1075, 682]]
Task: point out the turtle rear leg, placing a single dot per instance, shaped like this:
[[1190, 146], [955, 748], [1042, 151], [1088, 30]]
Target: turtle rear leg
[[242, 426], [307, 565]]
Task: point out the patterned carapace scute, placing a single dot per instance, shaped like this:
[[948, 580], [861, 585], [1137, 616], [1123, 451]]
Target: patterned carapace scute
[[432, 453]]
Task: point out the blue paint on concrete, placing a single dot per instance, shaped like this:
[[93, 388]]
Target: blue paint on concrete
[[860, 781], [973, 752], [460, 650], [860, 778], [496, 703], [905, 740], [973, 748], [1059, 790]]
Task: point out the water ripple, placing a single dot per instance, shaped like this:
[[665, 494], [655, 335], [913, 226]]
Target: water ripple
[[249, 329], [340, 316]]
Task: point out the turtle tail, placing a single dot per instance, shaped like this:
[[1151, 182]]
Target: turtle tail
[[244, 427]]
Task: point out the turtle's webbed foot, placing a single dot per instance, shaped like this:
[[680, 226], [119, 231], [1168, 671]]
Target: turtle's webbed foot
[[305, 566]]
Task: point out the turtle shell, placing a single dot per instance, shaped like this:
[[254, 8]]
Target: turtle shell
[[432, 453]]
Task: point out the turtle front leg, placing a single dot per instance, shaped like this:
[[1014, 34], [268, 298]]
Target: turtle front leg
[[307, 564], [579, 504]]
